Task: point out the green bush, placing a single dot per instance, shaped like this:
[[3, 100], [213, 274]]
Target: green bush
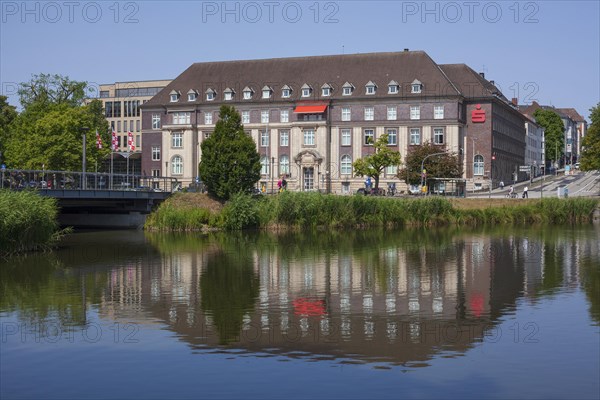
[[240, 212]]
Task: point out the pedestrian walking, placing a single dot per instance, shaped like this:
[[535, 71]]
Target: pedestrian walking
[[525, 194]]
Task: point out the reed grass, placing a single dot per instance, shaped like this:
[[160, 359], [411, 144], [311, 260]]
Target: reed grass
[[28, 222], [309, 210]]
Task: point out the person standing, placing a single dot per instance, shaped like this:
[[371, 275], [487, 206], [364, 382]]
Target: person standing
[[525, 194]]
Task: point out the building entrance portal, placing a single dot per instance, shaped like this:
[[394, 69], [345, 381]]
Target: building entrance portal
[[308, 179]]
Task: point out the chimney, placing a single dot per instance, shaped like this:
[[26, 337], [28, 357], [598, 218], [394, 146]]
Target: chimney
[[515, 101], [482, 74], [492, 82], [405, 49]]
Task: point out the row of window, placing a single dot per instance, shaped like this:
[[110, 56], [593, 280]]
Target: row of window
[[415, 137], [286, 91], [184, 118], [112, 109], [123, 140], [127, 126], [284, 164]]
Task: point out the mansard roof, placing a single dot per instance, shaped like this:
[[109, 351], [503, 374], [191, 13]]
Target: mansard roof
[[403, 67]]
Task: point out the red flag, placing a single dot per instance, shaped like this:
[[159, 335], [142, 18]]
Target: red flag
[[98, 140], [130, 144], [115, 142]]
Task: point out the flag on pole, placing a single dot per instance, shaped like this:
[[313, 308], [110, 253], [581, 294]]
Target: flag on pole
[[98, 140], [115, 142], [130, 144]]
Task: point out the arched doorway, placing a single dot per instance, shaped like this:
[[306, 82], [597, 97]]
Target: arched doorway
[[309, 167]]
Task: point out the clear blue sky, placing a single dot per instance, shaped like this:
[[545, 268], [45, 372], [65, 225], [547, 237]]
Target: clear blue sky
[[547, 51]]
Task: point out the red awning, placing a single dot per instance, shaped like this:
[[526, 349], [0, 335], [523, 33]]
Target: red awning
[[315, 109]]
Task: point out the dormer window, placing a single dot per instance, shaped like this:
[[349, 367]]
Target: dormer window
[[347, 89], [266, 92], [306, 90], [370, 88], [393, 87], [228, 94], [286, 92], [192, 95], [174, 96], [210, 94], [247, 93], [326, 90], [416, 86]]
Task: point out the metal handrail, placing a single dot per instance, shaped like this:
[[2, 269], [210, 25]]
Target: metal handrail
[[19, 179]]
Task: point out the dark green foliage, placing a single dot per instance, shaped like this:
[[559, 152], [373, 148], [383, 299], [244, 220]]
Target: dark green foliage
[[590, 155], [441, 166], [230, 162], [553, 132], [240, 212], [7, 114]]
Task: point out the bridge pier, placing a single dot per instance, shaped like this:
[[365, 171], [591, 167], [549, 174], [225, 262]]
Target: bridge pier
[[130, 220]]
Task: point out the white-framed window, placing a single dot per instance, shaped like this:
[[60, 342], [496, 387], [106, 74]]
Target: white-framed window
[[415, 112], [326, 91], [264, 138], [192, 96], [370, 88], [181, 118], [245, 117], [392, 136], [284, 165], [174, 97], [346, 114], [210, 95], [438, 112], [177, 140], [392, 113], [416, 87], [415, 136], [438, 135], [247, 94], [478, 165], [286, 92], [284, 137], [391, 170], [177, 165], [156, 173], [228, 94], [393, 88], [264, 165], [208, 118], [346, 165], [155, 153], [346, 137], [284, 116], [266, 93], [206, 135], [264, 116], [347, 89], [369, 135], [305, 92], [309, 137], [369, 113], [155, 122]]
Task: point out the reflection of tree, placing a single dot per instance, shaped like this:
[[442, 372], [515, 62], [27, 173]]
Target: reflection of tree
[[590, 281], [229, 288], [42, 291]]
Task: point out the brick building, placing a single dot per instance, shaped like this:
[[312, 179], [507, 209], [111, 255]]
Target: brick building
[[311, 117]]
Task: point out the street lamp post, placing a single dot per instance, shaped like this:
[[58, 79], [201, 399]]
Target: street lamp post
[[272, 173], [84, 130]]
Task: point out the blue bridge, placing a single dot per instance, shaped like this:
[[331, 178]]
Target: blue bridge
[[95, 200]]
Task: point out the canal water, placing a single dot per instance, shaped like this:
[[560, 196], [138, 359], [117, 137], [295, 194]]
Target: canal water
[[507, 313]]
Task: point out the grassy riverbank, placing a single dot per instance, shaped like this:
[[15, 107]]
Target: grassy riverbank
[[27, 222], [190, 212]]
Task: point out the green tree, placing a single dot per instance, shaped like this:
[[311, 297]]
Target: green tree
[[553, 133], [230, 162], [48, 132], [7, 114], [590, 155], [442, 166], [373, 164]]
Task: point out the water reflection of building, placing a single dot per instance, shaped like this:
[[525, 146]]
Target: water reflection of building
[[395, 303]]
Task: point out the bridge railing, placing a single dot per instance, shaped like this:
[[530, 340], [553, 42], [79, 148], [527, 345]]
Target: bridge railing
[[67, 180]]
